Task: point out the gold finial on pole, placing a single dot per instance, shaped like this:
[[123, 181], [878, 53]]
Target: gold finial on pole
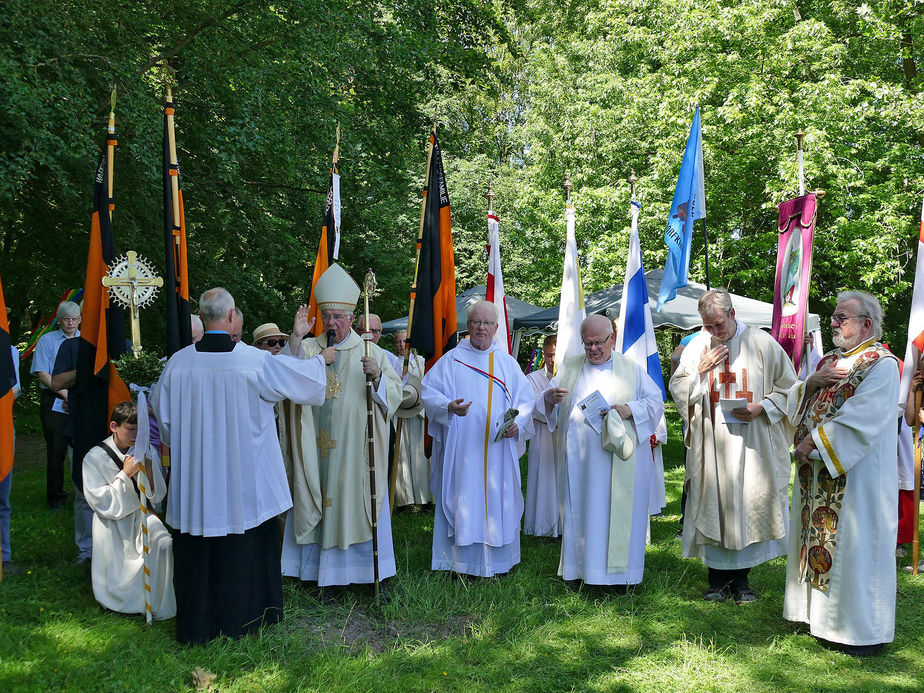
[[490, 195], [166, 74], [567, 186], [112, 101], [336, 155]]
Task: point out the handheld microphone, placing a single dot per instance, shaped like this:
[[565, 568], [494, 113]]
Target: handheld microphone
[[330, 337]]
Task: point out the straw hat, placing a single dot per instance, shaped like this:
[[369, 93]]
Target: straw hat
[[268, 329]]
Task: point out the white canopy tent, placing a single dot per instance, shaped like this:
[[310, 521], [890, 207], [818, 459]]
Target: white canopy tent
[[515, 307], [680, 313]]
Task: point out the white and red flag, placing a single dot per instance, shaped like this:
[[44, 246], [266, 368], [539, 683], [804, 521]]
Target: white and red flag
[[913, 350], [495, 291]]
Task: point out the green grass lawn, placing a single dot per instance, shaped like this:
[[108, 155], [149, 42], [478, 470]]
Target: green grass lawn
[[527, 631]]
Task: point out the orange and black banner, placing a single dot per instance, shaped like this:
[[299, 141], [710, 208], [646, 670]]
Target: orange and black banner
[[179, 330], [102, 340], [433, 324], [7, 383], [328, 246]]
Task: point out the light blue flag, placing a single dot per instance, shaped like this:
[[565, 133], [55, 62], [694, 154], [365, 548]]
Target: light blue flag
[[689, 205]]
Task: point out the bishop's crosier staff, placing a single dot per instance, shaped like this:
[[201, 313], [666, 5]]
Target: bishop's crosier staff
[[369, 288]]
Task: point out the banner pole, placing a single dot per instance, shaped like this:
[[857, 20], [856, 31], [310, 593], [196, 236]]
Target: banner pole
[[801, 162], [706, 246], [393, 477], [915, 537]]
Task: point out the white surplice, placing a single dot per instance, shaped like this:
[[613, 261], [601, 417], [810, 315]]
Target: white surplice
[[540, 517], [215, 410], [737, 474], [860, 441], [118, 556], [475, 480], [586, 478]]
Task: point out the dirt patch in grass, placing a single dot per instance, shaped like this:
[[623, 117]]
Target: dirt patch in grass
[[359, 630]]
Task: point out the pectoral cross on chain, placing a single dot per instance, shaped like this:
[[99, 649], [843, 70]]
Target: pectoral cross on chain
[[334, 386]]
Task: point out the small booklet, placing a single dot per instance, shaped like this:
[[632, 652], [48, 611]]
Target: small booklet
[[591, 406], [729, 405]]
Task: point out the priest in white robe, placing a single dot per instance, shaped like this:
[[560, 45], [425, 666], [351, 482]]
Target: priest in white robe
[[328, 534], [412, 473], [214, 403], [840, 576], [480, 407], [110, 485], [738, 465], [540, 516], [603, 407]]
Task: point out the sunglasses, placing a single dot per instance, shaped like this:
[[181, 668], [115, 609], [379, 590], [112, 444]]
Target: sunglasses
[[275, 342]]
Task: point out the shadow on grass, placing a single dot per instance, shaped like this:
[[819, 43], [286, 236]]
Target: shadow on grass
[[526, 631]]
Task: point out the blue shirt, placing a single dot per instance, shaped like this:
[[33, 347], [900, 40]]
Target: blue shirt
[[43, 360], [17, 388]]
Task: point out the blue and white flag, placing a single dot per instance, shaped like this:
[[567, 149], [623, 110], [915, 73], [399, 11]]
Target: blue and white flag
[[635, 333], [689, 205]]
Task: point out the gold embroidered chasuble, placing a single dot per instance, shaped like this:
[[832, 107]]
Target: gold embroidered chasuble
[[326, 449], [737, 474], [821, 495]]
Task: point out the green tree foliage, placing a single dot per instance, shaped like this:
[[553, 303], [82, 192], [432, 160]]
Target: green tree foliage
[[524, 91]]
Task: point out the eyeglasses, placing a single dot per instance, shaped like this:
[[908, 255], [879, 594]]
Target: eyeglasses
[[481, 323], [275, 342], [840, 318], [597, 344], [335, 317]]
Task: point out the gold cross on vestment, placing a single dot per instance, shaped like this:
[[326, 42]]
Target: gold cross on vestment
[[325, 501], [334, 386], [325, 443]]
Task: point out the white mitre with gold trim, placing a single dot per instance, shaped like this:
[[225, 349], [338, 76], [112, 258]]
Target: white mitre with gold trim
[[336, 290]]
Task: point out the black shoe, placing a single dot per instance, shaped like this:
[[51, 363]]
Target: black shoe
[[716, 594], [863, 650], [745, 596]]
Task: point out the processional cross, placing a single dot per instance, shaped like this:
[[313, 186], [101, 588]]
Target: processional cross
[[133, 284]]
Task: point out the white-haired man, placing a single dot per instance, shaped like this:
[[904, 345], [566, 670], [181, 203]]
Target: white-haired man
[[52, 411], [840, 575], [604, 406], [214, 403], [737, 470], [480, 408]]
